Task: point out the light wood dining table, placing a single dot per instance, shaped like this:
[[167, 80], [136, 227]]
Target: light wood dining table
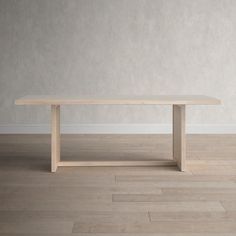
[[178, 102]]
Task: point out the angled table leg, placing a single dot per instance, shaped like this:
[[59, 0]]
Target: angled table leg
[[179, 136], [55, 137]]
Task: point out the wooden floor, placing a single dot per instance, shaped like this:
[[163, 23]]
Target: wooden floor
[[117, 201]]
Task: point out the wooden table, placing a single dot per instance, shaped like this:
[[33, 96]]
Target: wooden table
[[179, 137]]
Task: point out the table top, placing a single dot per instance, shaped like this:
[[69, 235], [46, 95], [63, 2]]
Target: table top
[[117, 100]]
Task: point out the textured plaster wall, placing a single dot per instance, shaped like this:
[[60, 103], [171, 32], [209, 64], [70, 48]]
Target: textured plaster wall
[[106, 47]]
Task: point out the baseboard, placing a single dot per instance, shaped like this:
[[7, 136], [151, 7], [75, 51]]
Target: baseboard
[[117, 128]]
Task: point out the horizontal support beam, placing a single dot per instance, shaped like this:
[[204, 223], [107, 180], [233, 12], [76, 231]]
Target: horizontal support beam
[[118, 163]]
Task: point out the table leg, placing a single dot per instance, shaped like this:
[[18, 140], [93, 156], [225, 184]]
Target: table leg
[[55, 137], [179, 136]]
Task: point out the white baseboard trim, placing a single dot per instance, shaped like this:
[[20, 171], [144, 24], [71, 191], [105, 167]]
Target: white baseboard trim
[[117, 129]]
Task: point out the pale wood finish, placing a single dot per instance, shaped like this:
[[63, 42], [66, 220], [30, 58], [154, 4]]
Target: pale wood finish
[[55, 137], [179, 137], [118, 163], [130, 201], [178, 102], [118, 100]]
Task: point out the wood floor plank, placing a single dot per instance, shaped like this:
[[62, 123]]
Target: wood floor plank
[[158, 227], [150, 234], [181, 178], [78, 216], [39, 226], [172, 197], [121, 234], [37, 234], [193, 190], [179, 184], [204, 169], [193, 216], [93, 191], [55, 180], [31, 204], [54, 194]]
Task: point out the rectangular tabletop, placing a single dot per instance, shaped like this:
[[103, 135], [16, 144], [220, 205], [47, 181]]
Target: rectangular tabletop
[[117, 100]]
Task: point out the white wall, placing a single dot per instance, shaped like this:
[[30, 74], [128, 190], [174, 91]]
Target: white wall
[[107, 47]]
